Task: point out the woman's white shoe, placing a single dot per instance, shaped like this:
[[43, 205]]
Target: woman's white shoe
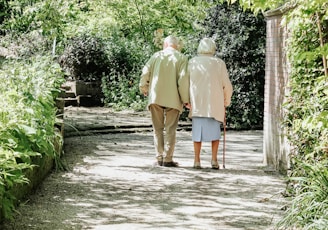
[[215, 165], [197, 165]]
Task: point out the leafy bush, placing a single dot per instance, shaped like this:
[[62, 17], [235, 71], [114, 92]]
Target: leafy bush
[[27, 120], [121, 53], [240, 39], [309, 208], [26, 45], [85, 58], [121, 85], [122, 91]]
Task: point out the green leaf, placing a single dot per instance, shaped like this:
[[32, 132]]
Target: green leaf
[[28, 130]]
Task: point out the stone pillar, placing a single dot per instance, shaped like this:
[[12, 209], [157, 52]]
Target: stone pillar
[[275, 147]]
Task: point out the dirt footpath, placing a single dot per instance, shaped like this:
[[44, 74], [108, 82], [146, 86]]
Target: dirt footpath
[[112, 183]]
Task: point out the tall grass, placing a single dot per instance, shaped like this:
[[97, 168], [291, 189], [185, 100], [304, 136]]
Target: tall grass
[[309, 208]]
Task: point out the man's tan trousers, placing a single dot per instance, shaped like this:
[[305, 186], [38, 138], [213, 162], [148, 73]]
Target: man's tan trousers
[[164, 120]]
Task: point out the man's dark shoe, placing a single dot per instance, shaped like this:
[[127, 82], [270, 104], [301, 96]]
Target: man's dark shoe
[[160, 163], [171, 164]]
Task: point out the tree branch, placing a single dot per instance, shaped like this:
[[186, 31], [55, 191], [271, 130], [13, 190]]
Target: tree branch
[[140, 18], [324, 60]]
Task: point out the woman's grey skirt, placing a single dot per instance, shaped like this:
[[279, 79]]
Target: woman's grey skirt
[[205, 129]]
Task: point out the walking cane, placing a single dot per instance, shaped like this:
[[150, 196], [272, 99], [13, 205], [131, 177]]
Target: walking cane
[[224, 137]]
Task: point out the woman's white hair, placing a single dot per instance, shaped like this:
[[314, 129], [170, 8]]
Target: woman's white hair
[[206, 46]]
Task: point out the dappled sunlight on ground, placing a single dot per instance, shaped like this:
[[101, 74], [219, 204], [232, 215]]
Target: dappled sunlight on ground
[[113, 184]]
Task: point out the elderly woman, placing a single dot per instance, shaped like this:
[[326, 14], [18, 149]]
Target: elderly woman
[[210, 93]]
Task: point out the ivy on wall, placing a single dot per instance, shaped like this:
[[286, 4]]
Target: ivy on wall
[[306, 121]]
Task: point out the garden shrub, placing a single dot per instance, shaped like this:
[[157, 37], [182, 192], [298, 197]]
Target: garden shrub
[[27, 120], [122, 91], [85, 58], [121, 85], [120, 56], [240, 39], [26, 45]]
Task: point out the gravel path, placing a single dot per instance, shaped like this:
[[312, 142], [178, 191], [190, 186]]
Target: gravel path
[[112, 183]]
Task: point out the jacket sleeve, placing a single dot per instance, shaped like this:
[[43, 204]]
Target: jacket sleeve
[[227, 86], [145, 78], [183, 81]]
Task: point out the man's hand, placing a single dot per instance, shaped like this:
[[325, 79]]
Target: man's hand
[[187, 105]]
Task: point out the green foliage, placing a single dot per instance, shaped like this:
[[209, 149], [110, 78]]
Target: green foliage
[[123, 54], [27, 119], [37, 24], [4, 10], [259, 5], [115, 61], [122, 91], [142, 18], [240, 39], [307, 108], [85, 58], [309, 208], [121, 85], [48, 16], [11, 174], [26, 45]]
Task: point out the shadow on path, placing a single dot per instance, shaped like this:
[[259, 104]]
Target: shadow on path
[[112, 184]]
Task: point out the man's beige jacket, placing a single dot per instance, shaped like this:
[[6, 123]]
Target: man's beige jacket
[[165, 79], [210, 87]]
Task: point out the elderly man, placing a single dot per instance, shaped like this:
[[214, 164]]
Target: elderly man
[[165, 81]]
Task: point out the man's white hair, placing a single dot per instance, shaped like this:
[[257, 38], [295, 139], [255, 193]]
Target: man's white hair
[[171, 40]]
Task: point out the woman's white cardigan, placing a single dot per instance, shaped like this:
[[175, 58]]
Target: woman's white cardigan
[[210, 87]]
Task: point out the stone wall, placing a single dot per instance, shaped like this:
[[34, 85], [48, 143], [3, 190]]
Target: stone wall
[[80, 93], [275, 147]]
